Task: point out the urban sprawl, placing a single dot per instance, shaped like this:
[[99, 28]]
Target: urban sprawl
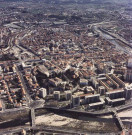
[[65, 67]]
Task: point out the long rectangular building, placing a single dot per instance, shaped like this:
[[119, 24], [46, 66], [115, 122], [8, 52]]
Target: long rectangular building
[[115, 94]]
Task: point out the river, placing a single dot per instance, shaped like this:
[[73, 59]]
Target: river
[[112, 40]]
